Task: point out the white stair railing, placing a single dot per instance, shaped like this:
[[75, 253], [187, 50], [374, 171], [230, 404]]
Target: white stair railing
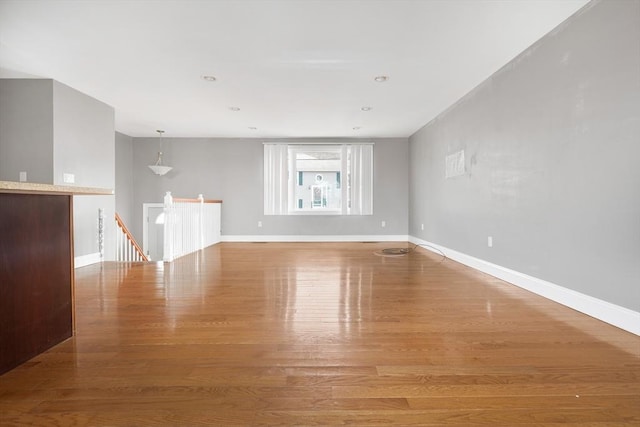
[[127, 250], [190, 225]]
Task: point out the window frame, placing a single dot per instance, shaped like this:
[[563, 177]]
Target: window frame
[[293, 150], [356, 178]]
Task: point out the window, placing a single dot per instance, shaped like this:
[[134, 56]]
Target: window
[[303, 179]]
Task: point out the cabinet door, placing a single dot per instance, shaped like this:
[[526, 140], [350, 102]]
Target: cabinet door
[[36, 275]]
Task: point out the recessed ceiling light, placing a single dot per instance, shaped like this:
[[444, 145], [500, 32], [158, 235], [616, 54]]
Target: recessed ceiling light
[[234, 108], [366, 108], [381, 79], [356, 128], [209, 78]]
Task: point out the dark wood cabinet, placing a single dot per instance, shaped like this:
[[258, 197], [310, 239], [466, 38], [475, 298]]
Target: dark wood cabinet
[[36, 275], [36, 270]]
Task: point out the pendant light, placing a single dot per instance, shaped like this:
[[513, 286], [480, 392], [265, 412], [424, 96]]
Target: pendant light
[[158, 168]]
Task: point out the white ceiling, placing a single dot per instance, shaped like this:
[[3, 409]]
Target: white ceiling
[[294, 68]]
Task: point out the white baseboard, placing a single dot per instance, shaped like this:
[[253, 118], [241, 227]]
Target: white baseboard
[[615, 315], [84, 260], [316, 238]]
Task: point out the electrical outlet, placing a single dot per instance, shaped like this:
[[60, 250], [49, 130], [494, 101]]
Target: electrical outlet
[[68, 178], [383, 224], [259, 224], [421, 226], [23, 177], [490, 241]]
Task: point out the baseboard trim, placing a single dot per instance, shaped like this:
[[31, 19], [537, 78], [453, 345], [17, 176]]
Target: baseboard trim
[[613, 314], [84, 260], [316, 238]]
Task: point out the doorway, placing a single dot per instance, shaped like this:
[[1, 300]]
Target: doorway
[[153, 231]]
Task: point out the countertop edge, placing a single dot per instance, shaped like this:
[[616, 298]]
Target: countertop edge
[[37, 188]]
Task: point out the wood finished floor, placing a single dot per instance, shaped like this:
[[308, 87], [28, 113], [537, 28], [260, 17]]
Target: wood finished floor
[[322, 334]]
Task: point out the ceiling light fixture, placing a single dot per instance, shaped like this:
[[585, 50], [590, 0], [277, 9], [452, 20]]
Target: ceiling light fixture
[[381, 79], [253, 128], [234, 108], [366, 108], [158, 168], [209, 78], [356, 128]]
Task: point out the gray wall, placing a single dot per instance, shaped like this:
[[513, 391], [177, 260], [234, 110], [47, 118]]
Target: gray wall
[[47, 129], [124, 178], [232, 170], [83, 135], [551, 147], [26, 130], [83, 141]]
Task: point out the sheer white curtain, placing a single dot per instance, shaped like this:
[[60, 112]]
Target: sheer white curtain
[[361, 175], [276, 179]]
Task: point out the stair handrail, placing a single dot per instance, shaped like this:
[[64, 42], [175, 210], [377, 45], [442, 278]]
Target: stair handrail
[[130, 238]]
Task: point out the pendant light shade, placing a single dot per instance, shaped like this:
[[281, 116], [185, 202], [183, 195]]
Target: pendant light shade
[[158, 168]]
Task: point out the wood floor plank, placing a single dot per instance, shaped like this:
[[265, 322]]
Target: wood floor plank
[[322, 334]]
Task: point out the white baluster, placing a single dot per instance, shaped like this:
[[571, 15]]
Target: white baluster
[[200, 231], [169, 226]]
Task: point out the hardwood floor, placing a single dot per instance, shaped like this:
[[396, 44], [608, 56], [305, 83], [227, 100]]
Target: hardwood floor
[[322, 334]]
